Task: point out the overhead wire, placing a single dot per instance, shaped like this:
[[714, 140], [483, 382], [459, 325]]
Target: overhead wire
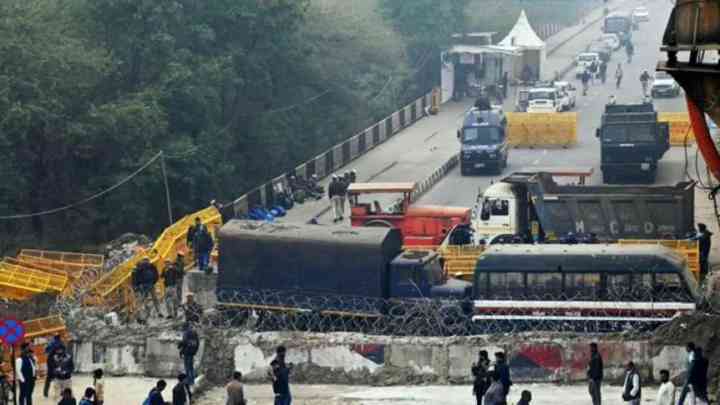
[[86, 200]]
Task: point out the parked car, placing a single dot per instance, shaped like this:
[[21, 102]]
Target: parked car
[[568, 94], [544, 100], [584, 60], [612, 41], [641, 14], [664, 85]]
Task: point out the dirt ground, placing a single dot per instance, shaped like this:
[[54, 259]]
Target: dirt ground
[[419, 395]]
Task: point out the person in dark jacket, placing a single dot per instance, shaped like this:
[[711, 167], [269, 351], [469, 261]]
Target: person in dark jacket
[[704, 238], [188, 348], [26, 368], [193, 310], [54, 344], [335, 196], [525, 398], [64, 369], [203, 245], [67, 398], [698, 375], [632, 389], [280, 374], [503, 370], [145, 276], [181, 394], [171, 276], [595, 374], [155, 396], [481, 376], [190, 238], [180, 267]]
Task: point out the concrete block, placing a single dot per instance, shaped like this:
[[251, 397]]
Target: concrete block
[[124, 360], [87, 358], [422, 359], [461, 359], [203, 288], [341, 357], [250, 359], [671, 358], [162, 358]]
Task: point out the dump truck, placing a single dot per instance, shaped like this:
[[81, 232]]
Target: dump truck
[[535, 207], [419, 225], [632, 141], [304, 261]]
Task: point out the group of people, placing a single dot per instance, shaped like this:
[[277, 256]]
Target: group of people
[[491, 382], [145, 277], [60, 370], [695, 381], [338, 193]]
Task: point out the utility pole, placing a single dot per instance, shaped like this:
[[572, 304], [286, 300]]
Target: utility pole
[[167, 187]]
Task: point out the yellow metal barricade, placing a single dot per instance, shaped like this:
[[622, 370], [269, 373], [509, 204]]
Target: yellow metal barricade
[[680, 129], [529, 130], [25, 280], [460, 261], [686, 248]]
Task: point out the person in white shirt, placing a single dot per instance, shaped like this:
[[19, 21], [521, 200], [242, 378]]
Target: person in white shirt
[[26, 369], [666, 392]]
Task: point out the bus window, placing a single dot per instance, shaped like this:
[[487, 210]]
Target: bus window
[[642, 286], [481, 286], [669, 286], [506, 285], [546, 286], [582, 285], [618, 286]]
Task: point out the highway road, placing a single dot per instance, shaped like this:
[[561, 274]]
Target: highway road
[[460, 190]]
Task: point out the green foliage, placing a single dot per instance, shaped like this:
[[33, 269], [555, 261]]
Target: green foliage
[[233, 91]]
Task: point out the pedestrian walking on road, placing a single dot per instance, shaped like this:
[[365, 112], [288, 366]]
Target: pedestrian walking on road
[[618, 76], [595, 374], [55, 343], [335, 196], [603, 71], [632, 391], [64, 369], [188, 348], [666, 392], [181, 394], [235, 392], [26, 368], [704, 238], [525, 398], [644, 82], [629, 49], [503, 369], [280, 375], [67, 398], [585, 79], [99, 387], [170, 279], [690, 364], [495, 395], [481, 376]]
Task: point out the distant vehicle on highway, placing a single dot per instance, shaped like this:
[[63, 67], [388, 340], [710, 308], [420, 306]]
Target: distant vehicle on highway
[[620, 24], [641, 14], [568, 93], [602, 48], [546, 100], [484, 142], [664, 85], [611, 40], [584, 60]]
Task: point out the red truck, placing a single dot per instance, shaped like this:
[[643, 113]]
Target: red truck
[[420, 225]]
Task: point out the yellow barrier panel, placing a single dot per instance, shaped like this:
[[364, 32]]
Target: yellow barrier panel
[[542, 129], [36, 266], [680, 128], [114, 289], [686, 248], [80, 260], [27, 280]]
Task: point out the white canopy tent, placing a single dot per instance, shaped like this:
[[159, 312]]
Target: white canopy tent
[[523, 37]]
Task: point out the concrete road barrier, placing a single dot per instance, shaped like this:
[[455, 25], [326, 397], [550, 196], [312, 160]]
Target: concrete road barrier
[[529, 130], [681, 131]]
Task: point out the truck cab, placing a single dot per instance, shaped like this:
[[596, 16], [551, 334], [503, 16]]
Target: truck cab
[[419, 274], [546, 100], [620, 24], [389, 205], [483, 141]]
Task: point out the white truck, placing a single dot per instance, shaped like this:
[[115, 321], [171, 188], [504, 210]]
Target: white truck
[[584, 60]]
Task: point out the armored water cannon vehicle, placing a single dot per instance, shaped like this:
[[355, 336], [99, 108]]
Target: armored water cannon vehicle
[[483, 141], [632, 141]]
